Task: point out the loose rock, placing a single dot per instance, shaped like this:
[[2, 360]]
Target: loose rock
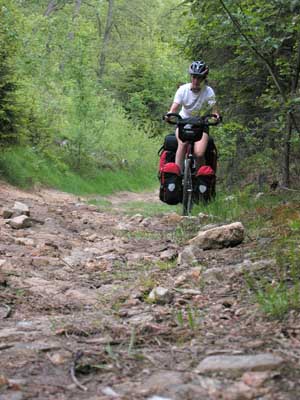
[[20, 222], [258, 362], [222, 236], [20, 209], [160, 295], [190, 256]]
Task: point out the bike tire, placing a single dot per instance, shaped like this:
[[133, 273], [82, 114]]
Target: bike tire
[[187, 195]]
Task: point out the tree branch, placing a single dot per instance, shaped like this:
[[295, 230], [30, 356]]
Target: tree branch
[[51, 7], [255, 50], [54, 5], [297, 70], [106, 38]]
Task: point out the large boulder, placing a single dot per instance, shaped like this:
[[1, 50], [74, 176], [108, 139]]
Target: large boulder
[[220, 236]]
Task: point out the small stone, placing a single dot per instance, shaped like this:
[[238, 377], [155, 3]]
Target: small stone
[[3, 381], [239, 391], [21, 209], [138, 218], [259, 195], [20, 222], [160, 295], [108, 391], [57, 358], [92, 238], [6, 213], [162, 380], [25, 241], [168, 255], [172, 219], [229, 198], [255, 379], [193, 275], [159, 398], [146, 222], [189, 256], [203, 218], [125, 227]]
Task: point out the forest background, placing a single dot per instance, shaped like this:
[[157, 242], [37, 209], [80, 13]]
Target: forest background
[[84, 85]]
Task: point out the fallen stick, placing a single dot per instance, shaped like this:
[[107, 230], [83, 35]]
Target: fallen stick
[[8, 311], [78, 355]]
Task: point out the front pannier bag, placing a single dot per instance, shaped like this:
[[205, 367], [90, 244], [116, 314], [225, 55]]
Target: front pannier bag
[[170, 184], [205, 183]]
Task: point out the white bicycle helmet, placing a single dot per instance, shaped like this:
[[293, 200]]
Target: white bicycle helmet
[[198, 68]]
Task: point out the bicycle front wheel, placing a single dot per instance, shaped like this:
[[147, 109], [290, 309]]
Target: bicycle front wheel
[[187, 189]]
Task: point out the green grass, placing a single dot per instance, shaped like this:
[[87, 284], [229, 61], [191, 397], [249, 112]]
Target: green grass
[[278, 291], [24, 167], [148, 209]]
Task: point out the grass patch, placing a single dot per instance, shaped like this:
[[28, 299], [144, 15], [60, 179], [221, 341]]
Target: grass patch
[[166, 265], [25, 167], [278, 291], [147, 209]]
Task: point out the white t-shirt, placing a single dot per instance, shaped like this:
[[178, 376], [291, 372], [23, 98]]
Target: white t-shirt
[[193, 103]]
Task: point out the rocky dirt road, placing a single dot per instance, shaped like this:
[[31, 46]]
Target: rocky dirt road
[[96, 304]]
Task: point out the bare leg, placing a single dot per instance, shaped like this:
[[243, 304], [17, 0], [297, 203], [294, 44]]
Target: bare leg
[[199, 150], [180, 152]]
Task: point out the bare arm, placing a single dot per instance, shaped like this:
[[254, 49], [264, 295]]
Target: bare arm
[[174, 108], [215, 111]]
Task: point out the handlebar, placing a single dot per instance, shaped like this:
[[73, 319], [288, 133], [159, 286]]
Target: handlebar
[[206, 120]]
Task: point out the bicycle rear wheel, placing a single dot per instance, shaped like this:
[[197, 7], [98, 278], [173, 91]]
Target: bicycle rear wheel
[[187, 197]]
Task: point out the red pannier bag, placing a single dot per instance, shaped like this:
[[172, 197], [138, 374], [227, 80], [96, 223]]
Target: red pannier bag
[[165, 157], [205, 183], [170, 184]]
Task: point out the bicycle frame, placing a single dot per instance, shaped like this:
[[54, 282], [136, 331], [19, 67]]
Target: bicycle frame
[[187, 183]]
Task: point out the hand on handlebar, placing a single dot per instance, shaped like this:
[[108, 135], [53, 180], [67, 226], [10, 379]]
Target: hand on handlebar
[[217, 116], [172, 118]]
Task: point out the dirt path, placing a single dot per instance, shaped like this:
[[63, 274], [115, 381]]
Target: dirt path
[[76, 321]]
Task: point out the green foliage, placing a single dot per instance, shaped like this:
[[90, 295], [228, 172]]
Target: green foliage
[[10, 112], [70, 120], [282, 294], [51, 90], [252, 48], [26, 167]]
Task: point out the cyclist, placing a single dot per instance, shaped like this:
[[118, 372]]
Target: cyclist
[[194, 97]]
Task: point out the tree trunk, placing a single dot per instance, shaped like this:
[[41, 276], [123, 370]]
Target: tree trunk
[[75, 15], [51, 7], [287, 151], [289, 124], [106, 38]]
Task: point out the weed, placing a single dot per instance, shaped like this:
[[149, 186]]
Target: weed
[[274, 299], [187, 229], [188, 317], [281, 292], [132, 341], [166, 265], [179, 318], [110, 352]]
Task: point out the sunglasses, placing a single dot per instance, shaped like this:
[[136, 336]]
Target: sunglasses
[[200, 78]]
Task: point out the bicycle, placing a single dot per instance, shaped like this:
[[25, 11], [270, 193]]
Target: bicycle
[[191, 131]]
